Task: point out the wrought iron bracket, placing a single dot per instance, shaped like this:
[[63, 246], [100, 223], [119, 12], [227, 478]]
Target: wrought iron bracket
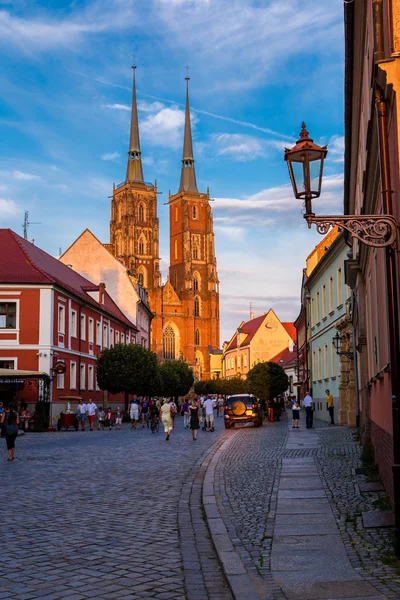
[[377, 231], [346, 354]]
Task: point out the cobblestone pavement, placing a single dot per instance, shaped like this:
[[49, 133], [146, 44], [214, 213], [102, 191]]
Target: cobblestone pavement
[[247, 482], [113, 514]]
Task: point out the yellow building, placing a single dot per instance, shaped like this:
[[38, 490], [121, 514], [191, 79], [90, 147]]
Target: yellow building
[[258, 340]]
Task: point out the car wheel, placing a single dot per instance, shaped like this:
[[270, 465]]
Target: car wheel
[[228, 425]]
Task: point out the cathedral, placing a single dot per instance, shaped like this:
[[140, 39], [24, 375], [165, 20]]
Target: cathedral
[[186, 321]]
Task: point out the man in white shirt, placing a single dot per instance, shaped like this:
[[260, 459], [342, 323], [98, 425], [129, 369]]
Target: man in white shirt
[[308, 404], [91, 410], [208, 406], [81, 414]]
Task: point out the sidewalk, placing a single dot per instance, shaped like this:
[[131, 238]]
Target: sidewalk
[[284, 512], [308, 559]]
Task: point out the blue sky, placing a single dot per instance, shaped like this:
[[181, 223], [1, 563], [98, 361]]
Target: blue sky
[[257, 67]]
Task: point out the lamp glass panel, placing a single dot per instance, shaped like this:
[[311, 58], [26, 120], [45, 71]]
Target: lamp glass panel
[[298, 173], [315, 178]]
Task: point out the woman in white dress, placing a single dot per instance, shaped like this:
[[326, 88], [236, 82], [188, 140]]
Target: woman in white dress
[[166, 418]]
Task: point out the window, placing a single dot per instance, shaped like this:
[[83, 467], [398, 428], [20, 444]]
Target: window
[[196, 283], [333, 360], [60, 382], [61, 319], [176, 214], [232, 363], [196, 253], [319, 363], [90, 377], [105, 336], [73, 323], [140, 279], [169, 352], [117, 337], [122, 338], [82, 378], [7, 364], [245, 362], [111, 337], [98, 333], [194, 212], [141, 212], [324, 301], [197, 337], [141, 247], [91, 330], [72, 376], [176, 250], [83, 327], [8, 315], [196, 311], [312, 312], [318, 308], [314, 367], [331, 295], [239, 362], [339, 287], [326, 364]]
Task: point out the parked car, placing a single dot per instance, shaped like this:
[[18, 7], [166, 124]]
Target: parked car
[[242, 408]]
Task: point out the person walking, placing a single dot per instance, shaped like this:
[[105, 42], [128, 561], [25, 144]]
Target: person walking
[[295, 414], [194, 413], [308, 404], [153, 414], [166, 419], [209, 414], [220, 406], [9, 427], [81, 413], [144, 412], [118, 418], [331, 406], [102, 417], [185, 413], [110, 418], [174, 411], [91, 410], [134, 411]]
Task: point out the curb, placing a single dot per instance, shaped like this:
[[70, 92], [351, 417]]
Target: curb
[[235, 572]]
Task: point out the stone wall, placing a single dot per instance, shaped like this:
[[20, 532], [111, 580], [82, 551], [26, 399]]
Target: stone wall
[[383, 445]]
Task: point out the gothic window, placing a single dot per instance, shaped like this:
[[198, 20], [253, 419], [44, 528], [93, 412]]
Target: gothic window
[[196, 307], [169, 343], [196, 253], [195, 284], [197, 337], [142, 249], [141, 212], [141, 279], [194, 212]]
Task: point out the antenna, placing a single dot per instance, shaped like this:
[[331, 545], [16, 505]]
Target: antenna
[[26, 224]]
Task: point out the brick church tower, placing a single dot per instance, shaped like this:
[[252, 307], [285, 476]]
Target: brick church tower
[[134, 223], [187, 321]]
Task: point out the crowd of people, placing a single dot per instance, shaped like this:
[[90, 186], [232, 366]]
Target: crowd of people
[[146, 412], [307, 404]]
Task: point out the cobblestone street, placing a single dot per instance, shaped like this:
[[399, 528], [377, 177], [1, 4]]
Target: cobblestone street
[[124, 514]]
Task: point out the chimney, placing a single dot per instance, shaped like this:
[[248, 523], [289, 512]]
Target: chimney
[[252, 315], [102, 289], [291, 345]]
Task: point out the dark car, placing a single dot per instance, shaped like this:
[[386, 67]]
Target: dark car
[[243, 408]]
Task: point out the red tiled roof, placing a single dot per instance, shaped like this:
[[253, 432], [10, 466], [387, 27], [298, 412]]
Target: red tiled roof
[[23, 262], [250, 328], [285, 356], [291, 329]]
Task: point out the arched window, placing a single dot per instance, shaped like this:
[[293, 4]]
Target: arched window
[[169, 343], [194, 212], [196, 307], [197, 337], [142, 276], [141, 212], [142, 246], [141, 279], [195, 283]]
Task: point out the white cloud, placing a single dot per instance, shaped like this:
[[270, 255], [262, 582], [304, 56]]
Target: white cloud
[[232, 233], [336, 149], [116, 106], [110, 156], [9, 208], [163, 125], [239, 147], [20, 175]]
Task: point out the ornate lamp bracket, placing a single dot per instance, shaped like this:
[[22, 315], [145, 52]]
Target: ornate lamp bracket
[[377, 231]]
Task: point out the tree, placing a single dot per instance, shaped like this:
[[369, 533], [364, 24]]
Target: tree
[[266, 381], [127, 369], [233, 385], [176, 378]]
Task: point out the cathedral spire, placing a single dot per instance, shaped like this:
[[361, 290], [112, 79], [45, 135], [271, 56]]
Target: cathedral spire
[[188, 175], [134, 171]]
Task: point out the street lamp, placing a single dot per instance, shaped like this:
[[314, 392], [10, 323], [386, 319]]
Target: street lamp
[[305, 164], [336, 341]]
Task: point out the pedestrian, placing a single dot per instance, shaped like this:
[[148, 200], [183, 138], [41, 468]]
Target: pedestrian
[[91, 410], [102, 417], [144, 412], [134, 411], [118, 418], [331, 406], [166, 419], [174, 411], [194, 412], [295, 414], [220, 406], [110, 418], [308, 404], [81, 413], [153, 414], [208, 407], [185, 413], [9, 428]]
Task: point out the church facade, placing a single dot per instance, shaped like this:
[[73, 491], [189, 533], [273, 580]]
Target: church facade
[[186, 321]]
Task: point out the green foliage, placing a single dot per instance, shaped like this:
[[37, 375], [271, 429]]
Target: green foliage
[[225, 387], [267, 380], [176, 378], [127, 368]]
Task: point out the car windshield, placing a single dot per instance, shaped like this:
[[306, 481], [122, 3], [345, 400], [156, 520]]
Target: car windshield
[[248, 400]]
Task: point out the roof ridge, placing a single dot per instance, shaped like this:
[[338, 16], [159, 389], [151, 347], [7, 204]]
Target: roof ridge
[[17, 239]]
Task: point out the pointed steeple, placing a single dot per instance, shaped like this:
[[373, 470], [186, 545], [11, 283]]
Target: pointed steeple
[[188, 175], [134, 171]]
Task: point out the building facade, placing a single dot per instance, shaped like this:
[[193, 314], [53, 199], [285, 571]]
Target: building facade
[[186, 321], [50, 314], [372, 88], [259, 340]]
